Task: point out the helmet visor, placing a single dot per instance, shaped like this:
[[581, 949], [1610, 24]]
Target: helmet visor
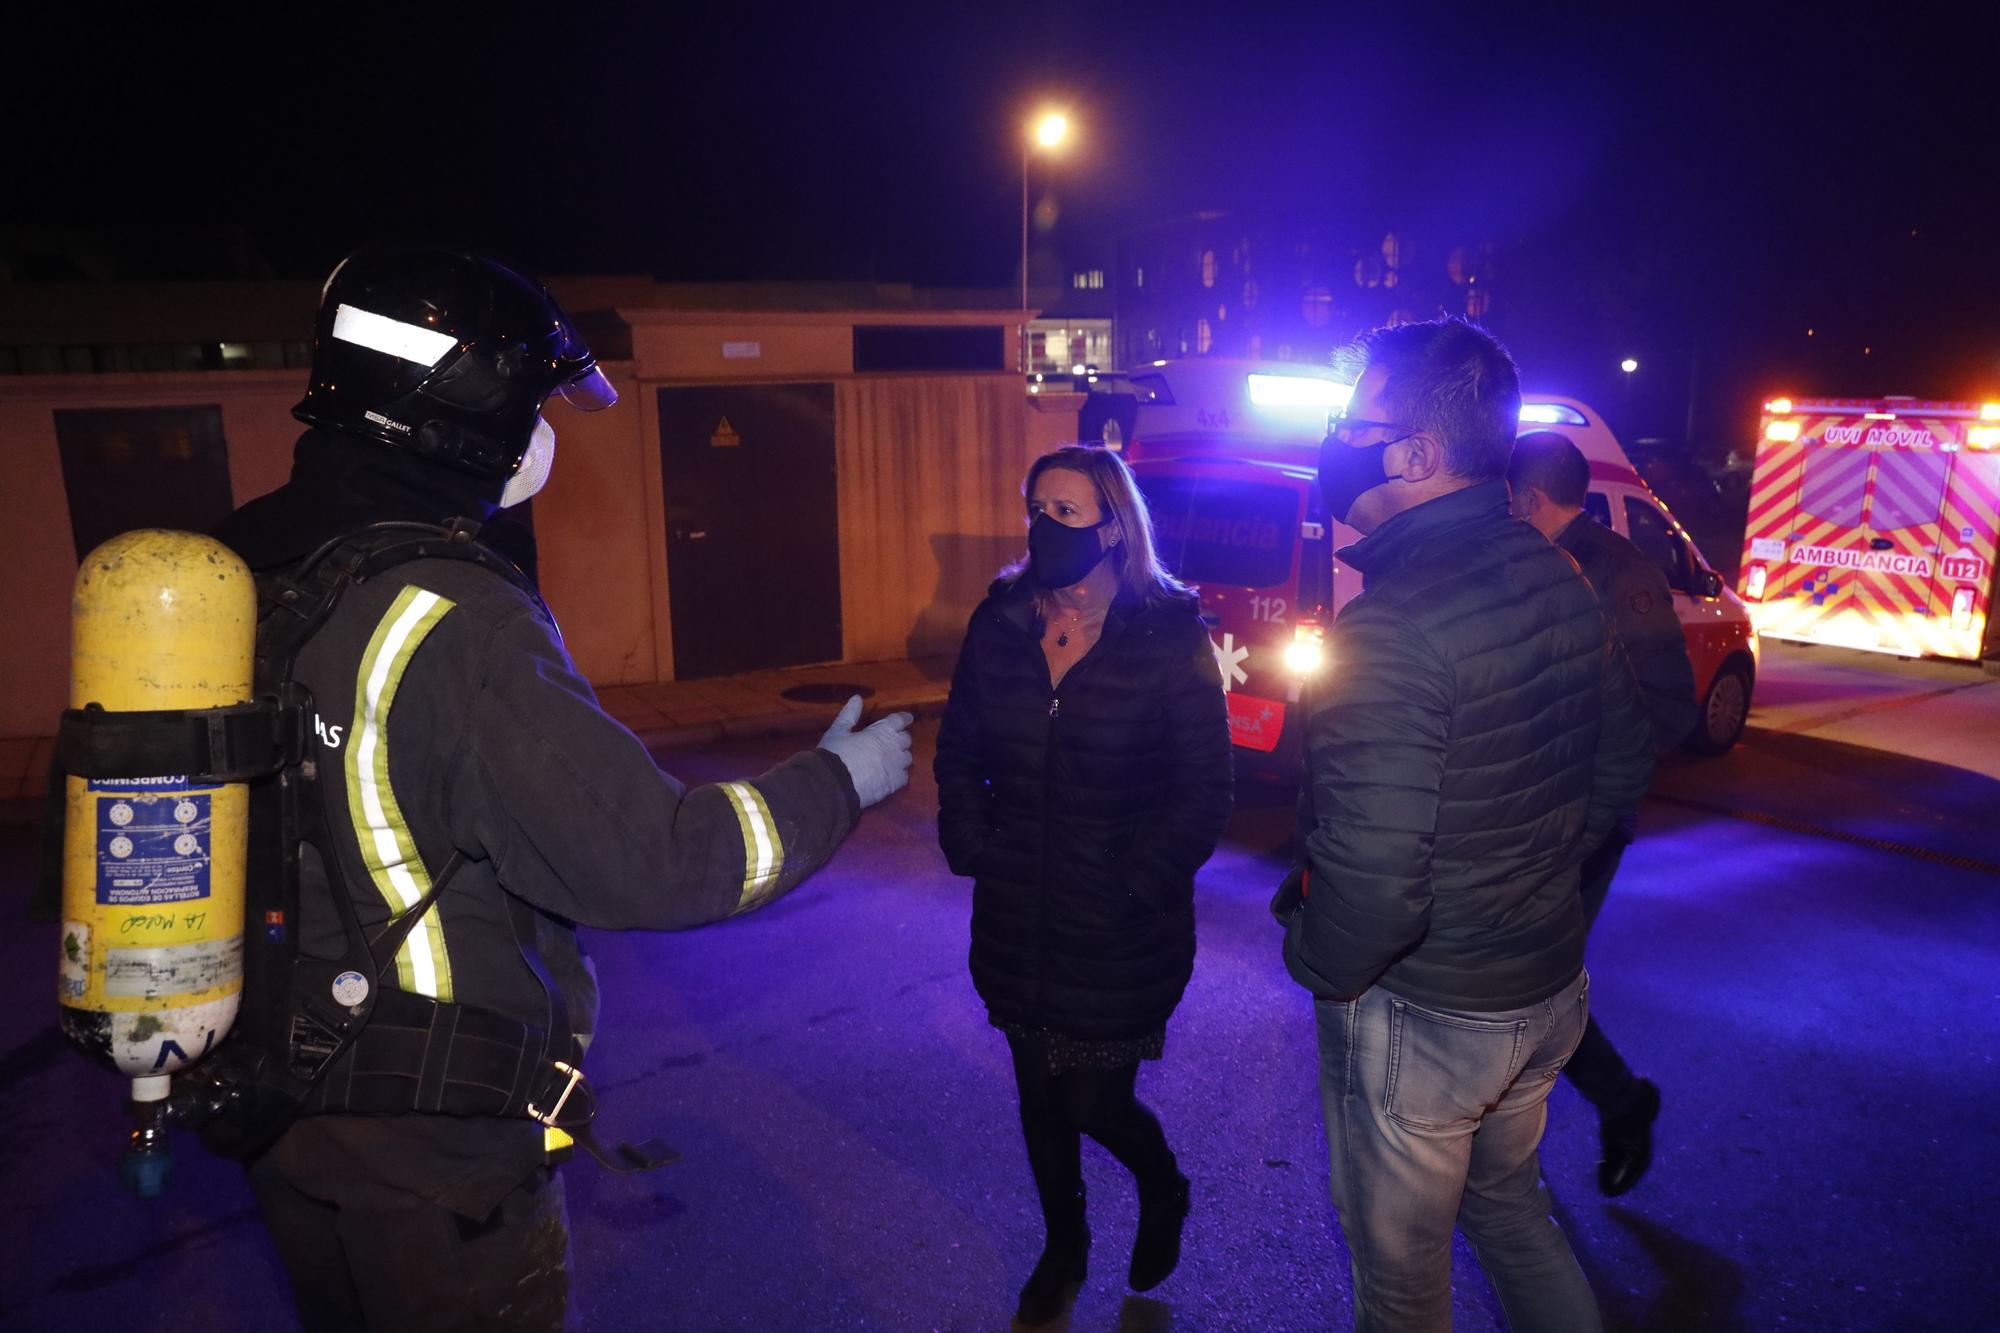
[[589, 391]]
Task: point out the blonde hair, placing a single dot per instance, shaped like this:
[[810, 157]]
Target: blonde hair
[[1137, 559]]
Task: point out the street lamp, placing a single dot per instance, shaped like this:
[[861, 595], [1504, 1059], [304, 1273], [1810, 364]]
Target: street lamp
[[1049, 130], [1629, 364]]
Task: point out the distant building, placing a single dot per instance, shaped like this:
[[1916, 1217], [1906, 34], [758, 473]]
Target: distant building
[[1223, 284]]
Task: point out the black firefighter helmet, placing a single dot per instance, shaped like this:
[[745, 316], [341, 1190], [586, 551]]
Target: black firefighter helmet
[[445, 354]]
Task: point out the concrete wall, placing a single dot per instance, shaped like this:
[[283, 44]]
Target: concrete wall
[[928, 475]]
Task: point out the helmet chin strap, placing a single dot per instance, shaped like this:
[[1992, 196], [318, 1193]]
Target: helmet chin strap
[[533, 472]]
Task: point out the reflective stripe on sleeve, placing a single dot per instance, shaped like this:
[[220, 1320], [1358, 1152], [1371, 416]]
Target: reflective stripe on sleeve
[[387, 847], [763, 849]]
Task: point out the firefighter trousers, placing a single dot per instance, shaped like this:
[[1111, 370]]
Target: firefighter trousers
[[362, 1254]]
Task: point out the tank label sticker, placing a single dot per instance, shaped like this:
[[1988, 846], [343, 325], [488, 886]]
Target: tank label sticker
[[152, 848], [73, 969], [166, 782], [178, 969]]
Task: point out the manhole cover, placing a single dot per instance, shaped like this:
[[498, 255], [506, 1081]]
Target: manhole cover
[[832, 692]]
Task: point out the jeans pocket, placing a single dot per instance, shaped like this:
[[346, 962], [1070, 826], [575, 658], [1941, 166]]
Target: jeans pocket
[[1446, 1070]]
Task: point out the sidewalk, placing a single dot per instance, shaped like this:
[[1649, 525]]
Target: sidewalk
[[663, 716]]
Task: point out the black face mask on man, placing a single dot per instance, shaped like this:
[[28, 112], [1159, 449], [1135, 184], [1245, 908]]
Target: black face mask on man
[[1059, 555], [1347, 472]]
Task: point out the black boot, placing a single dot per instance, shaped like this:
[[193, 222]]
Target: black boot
[[1062, 1267], [1163, 1210], [1626, 1137]]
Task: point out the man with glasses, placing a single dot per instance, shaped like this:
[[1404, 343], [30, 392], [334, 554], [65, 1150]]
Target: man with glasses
[[1480, 738]]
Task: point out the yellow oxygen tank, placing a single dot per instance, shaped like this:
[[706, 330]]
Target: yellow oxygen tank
[[152, 936]]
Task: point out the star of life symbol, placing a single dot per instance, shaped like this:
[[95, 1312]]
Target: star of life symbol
[[1229, 660]]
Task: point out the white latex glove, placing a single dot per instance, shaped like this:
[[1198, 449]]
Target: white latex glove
[[877, 756]]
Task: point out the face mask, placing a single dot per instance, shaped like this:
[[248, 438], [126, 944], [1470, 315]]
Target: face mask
[[1348, 472], [533, 474], [1059, 555]]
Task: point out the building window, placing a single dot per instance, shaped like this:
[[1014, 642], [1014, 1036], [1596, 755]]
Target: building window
[[1076, 281], [1478, 300], [1138, 277], [1317, 308], [1256, 345], [1250, 294], [1208, 268], [1392, 259], [1203, 337]]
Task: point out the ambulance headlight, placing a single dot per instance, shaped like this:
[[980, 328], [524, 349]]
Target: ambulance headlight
[[1306, 653]]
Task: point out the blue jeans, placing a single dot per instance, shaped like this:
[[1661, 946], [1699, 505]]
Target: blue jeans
[[1434, 1117]]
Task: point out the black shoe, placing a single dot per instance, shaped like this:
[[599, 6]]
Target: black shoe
[[1627, 1140], [1061, 1269], [1158, 1247]]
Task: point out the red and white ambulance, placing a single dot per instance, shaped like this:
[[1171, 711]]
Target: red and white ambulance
[[1872, 525], [1227, 454]]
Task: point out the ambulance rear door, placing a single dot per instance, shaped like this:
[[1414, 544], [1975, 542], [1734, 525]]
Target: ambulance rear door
[[1841, 538], [1966, 582]]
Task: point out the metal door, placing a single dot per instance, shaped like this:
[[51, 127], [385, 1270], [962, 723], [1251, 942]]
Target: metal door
[[753, 536]]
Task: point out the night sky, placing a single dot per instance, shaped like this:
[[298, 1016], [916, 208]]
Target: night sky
[[1658, 186]]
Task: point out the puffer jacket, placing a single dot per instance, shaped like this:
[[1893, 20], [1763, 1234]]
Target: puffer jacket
[[1635, 599], [1479, 734], [1083, 811]]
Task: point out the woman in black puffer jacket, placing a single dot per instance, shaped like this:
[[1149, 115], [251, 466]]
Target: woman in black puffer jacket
[[1083, 772]]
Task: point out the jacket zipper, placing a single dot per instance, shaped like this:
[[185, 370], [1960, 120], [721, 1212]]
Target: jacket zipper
[[1048, 809]]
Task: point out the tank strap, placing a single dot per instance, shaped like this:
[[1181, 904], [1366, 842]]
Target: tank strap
[[240, 743]]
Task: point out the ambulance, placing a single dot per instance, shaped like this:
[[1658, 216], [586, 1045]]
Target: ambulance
[[1872, 525], [1227, 454]]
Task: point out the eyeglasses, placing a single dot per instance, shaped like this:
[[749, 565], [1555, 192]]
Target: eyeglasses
[[1344, 429]]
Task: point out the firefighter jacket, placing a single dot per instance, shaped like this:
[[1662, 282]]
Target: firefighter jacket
[[448, 717]]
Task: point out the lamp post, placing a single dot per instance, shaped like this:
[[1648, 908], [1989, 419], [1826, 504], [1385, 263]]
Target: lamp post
[[1049, 130]]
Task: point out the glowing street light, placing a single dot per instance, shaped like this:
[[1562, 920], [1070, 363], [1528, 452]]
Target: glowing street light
[[1629, 364]]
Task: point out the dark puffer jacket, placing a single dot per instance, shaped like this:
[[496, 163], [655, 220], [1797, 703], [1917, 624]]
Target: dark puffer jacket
[[1083, 811], [1478, 734]]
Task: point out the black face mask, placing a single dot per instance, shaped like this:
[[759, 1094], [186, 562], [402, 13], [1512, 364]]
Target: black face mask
[[1059, 555], [1347, 472]]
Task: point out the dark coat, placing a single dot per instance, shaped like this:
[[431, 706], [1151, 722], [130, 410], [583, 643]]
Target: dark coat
[[1082, 812], [1478, 733], [1640, 607]]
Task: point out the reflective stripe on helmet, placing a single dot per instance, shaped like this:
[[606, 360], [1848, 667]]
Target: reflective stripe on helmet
[[763, 849], [387, 847], [411, 342]]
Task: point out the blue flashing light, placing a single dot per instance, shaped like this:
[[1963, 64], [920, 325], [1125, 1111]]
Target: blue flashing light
[[1551, 414], [1301, 391]]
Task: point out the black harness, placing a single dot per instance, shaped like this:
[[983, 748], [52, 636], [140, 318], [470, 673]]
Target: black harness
[[320, 1035]]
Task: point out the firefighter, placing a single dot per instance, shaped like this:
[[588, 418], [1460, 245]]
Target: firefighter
[[462, 751]]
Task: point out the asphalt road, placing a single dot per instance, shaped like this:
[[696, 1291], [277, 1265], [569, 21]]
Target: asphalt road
[[1802, 950]]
